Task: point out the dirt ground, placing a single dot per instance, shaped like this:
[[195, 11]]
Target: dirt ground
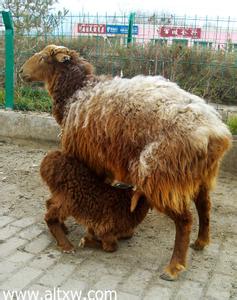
[[22, 194]]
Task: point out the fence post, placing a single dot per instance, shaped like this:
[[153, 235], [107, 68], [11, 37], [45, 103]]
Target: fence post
[[130, 28], [9, 59]]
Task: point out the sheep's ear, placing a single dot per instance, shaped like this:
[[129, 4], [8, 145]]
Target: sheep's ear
[[62, 57], [60, 54]]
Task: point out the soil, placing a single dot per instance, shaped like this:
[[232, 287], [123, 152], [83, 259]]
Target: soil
[[22, 194]]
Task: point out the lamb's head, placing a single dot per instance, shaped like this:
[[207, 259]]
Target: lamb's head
[[43, 65]]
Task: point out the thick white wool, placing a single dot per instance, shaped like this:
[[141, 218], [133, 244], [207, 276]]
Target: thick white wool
[[144, 101], [148, 93]]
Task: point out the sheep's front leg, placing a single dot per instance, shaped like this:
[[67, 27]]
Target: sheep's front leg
[[183, 224], [57, 231], [203, 206]]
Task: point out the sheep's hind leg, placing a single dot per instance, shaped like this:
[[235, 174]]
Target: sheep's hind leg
[[90, 240], [183, 224], [57, 231], [203, 206]]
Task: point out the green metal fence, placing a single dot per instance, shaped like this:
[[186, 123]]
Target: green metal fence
[[9, 59], [200, 54]]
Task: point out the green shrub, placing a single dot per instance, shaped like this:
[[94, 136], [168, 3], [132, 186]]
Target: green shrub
[[232, 123]]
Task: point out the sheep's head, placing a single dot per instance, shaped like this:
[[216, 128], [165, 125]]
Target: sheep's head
[[42, 65]]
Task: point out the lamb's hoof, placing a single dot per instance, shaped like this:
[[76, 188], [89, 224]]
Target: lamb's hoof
[[198, 246], [126, 237], [110, 247], [167, 277], [69, 250], [82, 242]]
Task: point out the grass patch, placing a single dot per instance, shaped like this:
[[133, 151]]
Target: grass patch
[[29, 98], [232, 123], [2, 97]]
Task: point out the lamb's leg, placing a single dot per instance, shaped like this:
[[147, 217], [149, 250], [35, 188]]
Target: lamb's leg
[[57, 231], [183, 224], [203, 206], [49, 203], [90, 240], [126, 235], [109, 242], [64, 228]]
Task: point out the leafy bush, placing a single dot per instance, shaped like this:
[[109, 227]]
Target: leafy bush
[[232, 123]]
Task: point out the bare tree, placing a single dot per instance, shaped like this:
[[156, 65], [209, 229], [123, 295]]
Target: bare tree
[[34, 17], [33, 22]]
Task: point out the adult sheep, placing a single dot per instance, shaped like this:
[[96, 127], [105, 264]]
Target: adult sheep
[[145, 131]]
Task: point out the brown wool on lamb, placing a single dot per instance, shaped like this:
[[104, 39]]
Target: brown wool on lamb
[[76, 191], [145, 131]]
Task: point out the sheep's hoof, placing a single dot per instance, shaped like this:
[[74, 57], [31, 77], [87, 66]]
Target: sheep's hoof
[[82, 242], [171, 272], [168, 277]]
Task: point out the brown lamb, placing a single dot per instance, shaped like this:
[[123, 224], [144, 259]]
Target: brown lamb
[[145, 131], [78, 192]]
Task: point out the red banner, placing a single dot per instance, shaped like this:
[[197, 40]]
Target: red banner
[[91, 28], [183, 32]]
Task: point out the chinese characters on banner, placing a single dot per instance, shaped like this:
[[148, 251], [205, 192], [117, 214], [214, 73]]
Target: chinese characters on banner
[[121, 29], [182, 32], [91, 28], [103, 29], [163, 31]]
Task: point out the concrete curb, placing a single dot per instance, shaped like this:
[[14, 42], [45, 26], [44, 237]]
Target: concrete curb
[[43, 127], [29, 126]]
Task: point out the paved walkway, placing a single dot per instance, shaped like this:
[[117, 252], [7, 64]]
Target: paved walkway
[[30, 260]]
